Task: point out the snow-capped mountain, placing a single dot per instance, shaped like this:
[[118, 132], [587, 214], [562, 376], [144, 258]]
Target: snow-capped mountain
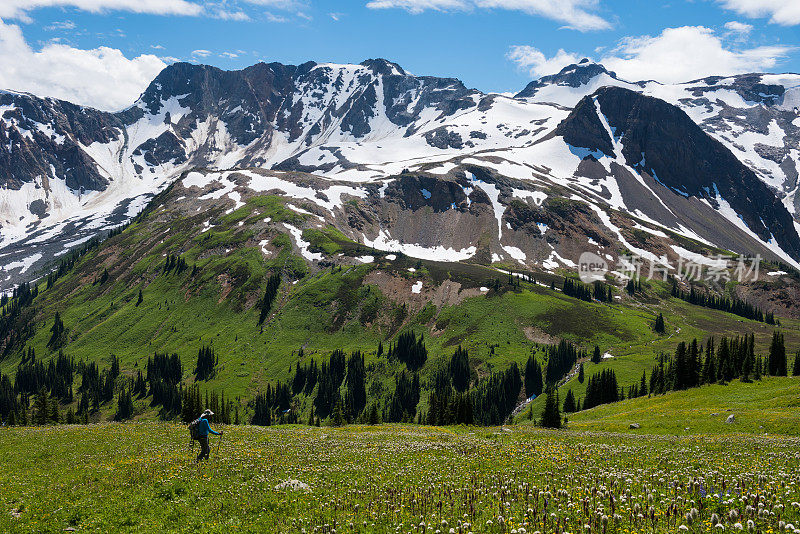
[[67, 172]]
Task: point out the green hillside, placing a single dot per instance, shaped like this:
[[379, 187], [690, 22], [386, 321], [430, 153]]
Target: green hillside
[[201, 276], [768, 406]]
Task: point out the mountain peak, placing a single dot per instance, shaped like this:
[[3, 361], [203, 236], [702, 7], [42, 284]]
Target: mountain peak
[[384, 67], [574, 75]]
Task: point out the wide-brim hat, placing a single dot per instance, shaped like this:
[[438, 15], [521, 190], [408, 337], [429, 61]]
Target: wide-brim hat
[[206, 413]]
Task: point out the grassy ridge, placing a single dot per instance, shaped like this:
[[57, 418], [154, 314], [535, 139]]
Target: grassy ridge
[[768, 406]]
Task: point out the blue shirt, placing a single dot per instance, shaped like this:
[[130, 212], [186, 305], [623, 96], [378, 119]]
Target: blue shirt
[[203, 428]]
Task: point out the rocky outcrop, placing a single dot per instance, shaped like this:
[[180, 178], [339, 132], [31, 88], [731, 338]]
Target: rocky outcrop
[[661, 140]]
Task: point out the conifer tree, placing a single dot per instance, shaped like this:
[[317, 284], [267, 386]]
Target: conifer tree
[[796, 368], [533, 378], [777, 355], [551, 415], [206, 363], [337, 415], [139, 299], [124, 405], [374, 417], [270, 293], [747, 366], [659, 327], [709, 375], [569, 402], [57, 333], [356, 387], [55, 415], [41, 408], [459, 370], [581, 376], [596, 355]]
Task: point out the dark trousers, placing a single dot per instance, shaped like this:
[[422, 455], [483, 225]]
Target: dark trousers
[[204, 448]]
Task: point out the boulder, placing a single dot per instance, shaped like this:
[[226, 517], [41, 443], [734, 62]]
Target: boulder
[[634, 426], [731, 419]]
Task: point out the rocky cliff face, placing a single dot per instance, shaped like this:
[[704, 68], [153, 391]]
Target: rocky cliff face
[[659, 139]]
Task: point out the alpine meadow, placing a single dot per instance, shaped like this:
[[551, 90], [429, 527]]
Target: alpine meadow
[[282, 296]]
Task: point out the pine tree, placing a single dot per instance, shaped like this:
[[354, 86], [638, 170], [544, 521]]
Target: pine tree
[[533, 378], [55, 415], [796, 368], [459, 370], [747, 366], [41, 408], [659, 327], [124, 405], [270, 293], [709, 375], [206, 363], [777, 355], [337, 415], [140, 299], [581, 376], [374, 417], [356, 387], [596, 355], [551, 415], [57, 333], [569, 402]]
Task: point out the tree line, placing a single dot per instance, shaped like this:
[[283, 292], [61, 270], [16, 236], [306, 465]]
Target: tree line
[[732, 305]]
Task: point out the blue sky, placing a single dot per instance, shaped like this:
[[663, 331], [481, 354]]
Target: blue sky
[[497, 48]]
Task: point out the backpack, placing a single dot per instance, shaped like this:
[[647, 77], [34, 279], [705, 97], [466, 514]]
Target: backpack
[[194, 429]]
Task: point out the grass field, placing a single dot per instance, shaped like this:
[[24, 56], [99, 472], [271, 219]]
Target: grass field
[[142, 478], [770, 406]]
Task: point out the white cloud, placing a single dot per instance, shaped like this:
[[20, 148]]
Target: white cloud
[[686, 53], [201, 53], [61, 26], [19, 9], [285, 5], [418, 6], [676, 55], [738, 31], [739, 28], [102, 77], [575, 14], [534, 61], [224, 14], [229, 55], [784, 12]]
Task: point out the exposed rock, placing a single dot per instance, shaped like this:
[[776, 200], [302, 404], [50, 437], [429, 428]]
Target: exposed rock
[[661, 140]]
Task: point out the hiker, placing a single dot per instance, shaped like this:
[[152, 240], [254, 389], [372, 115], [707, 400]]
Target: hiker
[[203, 429]]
